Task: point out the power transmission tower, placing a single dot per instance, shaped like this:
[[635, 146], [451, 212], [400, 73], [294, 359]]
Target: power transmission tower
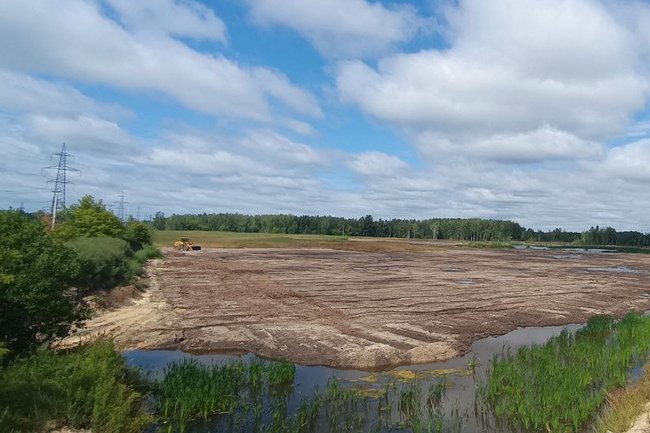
[[120, 207], [60, 182]]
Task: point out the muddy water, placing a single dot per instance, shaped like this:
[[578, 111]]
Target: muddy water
[[458, 409]]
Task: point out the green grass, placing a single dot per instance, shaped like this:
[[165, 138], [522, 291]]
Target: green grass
[[140, 257], [562, 384], [190, 391], [146, 253], [87, 387], [281, 374], [254, 397]]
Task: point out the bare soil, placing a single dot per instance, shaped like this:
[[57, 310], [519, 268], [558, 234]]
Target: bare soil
[[366, 310]]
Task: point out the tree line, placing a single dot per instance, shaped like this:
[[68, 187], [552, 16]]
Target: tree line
[[464, 229], [438, 228]]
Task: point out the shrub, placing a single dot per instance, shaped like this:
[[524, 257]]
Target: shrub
[[36, 273], [105, 262], [89, 218], [146, 253], [85, 388], [137, 235]]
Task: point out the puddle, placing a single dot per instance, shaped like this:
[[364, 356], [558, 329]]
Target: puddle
[[459, 377], [591, 250], [619, 270], [466, 282], [530, 247], [568, 256], [571, 250]]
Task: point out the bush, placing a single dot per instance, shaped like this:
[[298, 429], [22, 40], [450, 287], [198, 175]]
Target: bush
[[89, 218], [84, 388], [105, 262], [137, 235], [146, 253], [36, 273]]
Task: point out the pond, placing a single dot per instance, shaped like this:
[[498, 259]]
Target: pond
[[434, 397]]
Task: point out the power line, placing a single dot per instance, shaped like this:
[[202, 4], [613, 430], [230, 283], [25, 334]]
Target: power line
[[60, 182]]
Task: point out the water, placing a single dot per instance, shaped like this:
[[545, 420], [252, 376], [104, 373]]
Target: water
[[619, 270], [458, 408], [530, 247]]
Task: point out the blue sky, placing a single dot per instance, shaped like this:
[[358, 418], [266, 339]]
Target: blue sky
[[530, 110]]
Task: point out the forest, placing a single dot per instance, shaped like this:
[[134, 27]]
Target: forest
[[465, 229]]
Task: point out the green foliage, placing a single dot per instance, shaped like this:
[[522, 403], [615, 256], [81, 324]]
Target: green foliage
[[83, 388], [36, 273], [281, 374], [159, 221], [89, 218], [254, 397], [464, 229], [146, 253], [4, 352], [474, 229], [608, 236], [560, 385], [137, 234], [190, 390], [105, 262]]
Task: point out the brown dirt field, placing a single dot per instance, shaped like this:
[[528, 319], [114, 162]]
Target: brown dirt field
[[367, 310]]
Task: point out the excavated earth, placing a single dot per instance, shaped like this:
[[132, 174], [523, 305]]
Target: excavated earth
[[367, 310]]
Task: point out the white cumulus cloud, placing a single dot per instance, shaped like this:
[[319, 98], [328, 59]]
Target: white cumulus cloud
[[341, 28], [78, 42], [185, 18], [518, 75]]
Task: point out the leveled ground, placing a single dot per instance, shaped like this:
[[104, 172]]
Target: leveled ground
[[364, 309]]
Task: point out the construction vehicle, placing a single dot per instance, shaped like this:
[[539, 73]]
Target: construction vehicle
[[185, 244]]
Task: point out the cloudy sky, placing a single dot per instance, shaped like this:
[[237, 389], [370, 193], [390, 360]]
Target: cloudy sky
[[531, 110]]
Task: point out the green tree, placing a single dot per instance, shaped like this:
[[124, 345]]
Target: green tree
[[367, 226], [159, 221], [137, 234], [105, 262], [90, 218], [37, 303]]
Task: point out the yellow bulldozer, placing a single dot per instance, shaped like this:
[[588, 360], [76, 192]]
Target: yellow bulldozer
[[185, 244]]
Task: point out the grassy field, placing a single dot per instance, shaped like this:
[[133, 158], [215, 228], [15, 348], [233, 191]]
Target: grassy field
[[217, 239], [214, 239]]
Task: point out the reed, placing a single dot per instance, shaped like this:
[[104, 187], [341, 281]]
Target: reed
[[281, 374], [560, 385], [190, 390]]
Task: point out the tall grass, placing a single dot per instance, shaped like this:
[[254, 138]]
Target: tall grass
[[85, 388], [190, 390], [255, 397], [560, 385], [281, 374]]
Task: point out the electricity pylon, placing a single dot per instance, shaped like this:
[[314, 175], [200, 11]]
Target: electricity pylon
[[60, 182]]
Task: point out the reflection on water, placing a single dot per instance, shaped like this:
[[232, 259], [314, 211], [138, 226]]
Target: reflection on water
[[460, 378]]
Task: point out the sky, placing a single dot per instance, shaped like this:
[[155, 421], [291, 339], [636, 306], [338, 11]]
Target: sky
[[530, 110]]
